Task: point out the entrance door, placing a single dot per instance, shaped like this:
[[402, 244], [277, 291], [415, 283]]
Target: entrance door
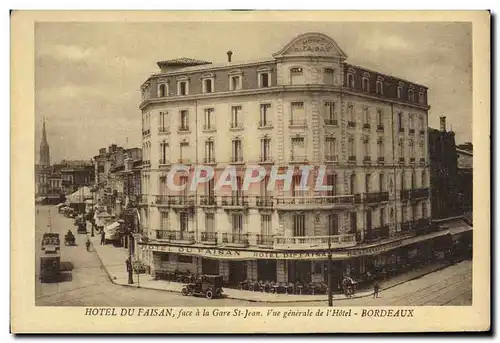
[[299, 271], [266, 270], [237, 272], [210, 267]]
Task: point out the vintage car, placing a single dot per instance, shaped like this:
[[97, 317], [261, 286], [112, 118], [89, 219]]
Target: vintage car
[[50, 257], [209, 286]]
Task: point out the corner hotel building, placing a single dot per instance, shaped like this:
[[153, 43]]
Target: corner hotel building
[[303, 106]]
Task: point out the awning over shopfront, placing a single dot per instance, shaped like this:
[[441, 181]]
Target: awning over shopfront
[[40, 199], [60, 205], [111, 231], [79, 196]]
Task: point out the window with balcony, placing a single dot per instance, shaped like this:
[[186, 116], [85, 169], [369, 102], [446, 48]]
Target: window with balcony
[[209, 151], [330, 115], [237, 223], [333, 225], [400, 92], [297, 185], [351, 149], [400, 122], [297, 116], [380, 119], [330, 148], [163, 122], [298, 149], [164, 220], [351, 118], [424, 210], [366, 84], [266, 228], [350, 80], [331, 181], [403, 183], [299, 225], [353, 222], [380, 150], [209, 222], [264, 80], [412, 151], [366, 149], [184, 121], [413, 183], [184, 222], [367, 183], [366, 118], [184, 153], [265, 149], [329, 76], [382, 216], [209, 118], [352, 184], [236, 120], [164, 146], [162, 187], [380, 87], [424, 179], [183, 88], [162, 90], [265, 115], [184, 180], [296, 76], [410, 123], [411, 95], [401, 150], [235, 82], [421, 125], [237, 152], [381, 182]]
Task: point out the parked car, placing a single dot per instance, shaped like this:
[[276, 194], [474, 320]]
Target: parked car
[[209, 286]]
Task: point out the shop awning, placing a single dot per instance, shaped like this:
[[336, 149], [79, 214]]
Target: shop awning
[[40, 199], [59, 205]]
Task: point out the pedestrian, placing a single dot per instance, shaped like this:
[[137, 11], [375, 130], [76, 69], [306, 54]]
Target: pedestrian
[[128, 264], [103, 238], [87, 244], [376, 289]]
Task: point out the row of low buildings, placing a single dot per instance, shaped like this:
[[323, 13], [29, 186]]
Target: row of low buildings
[[305, 105]]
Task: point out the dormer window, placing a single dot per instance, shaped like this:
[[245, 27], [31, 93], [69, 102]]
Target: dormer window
[[350, 80], [380, 86], [400, 91], [329, 76], [411, 95], [296, 76], [235, 80], [366, 82], [183, 86], [208, 82], [162, 90], [421, 96]]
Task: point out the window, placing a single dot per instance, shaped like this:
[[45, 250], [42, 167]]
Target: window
[[298, 149], [331, 149], [162, 121], [331, 180], [353, 222], [296, 186], [209, 119], [209, 151], [413, 183], [412, 150], [162, 90], [265, 225], [237, 150], [330, 115], [333, 225], [400, 122], [184, 222], [264, 80], [210, 222], [296, 76], [380, 119], [382, 217], [366, 147], [380, 87], [367, 183], [350, 80], [366, 118], [424, 179], [163, 152], [329, 76], [401, 150], [421, 124], [207, 86], [184, 152], [184, 120], [403, 183], [351, 148], [235, 82], [421, 97], [352, 183], [237, 223], [264, 115], [163, 220], [400, 91], [366, 84], [236, 122], [298, 114], [411, 95], [380, 149], [183, 88], [299, 225], [410, 124], [183, 180], [424, 210], [265, 152], [350, 115], [381, 183]]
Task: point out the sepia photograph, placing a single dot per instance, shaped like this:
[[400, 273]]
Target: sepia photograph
[[234, 165]]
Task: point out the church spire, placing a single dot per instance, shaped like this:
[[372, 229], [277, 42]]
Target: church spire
[[44, 148]]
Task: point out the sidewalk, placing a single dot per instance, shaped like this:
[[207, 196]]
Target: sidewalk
[[113, 260]]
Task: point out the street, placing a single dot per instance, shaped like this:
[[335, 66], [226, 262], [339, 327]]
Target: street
[[90, 285]]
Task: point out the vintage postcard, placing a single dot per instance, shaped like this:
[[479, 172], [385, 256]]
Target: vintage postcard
[[250, 172]]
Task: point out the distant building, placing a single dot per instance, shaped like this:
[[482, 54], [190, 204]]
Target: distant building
[[44, 149], [465, 176]]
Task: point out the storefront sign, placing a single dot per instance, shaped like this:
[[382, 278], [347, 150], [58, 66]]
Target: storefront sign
[[375, 249], [233, 254]]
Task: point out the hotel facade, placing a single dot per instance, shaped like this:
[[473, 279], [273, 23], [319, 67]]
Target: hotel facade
[[306, 105]]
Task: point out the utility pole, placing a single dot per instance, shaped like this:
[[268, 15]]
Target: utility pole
[[330, 267]]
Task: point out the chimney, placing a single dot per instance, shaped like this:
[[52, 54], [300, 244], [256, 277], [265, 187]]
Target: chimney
[[229, 54], [442, 124]]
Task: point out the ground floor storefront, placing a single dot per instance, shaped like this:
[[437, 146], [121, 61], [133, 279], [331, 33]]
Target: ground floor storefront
[[302, 272]]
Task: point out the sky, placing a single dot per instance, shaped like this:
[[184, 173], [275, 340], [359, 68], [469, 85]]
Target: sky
[[88, 75]]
